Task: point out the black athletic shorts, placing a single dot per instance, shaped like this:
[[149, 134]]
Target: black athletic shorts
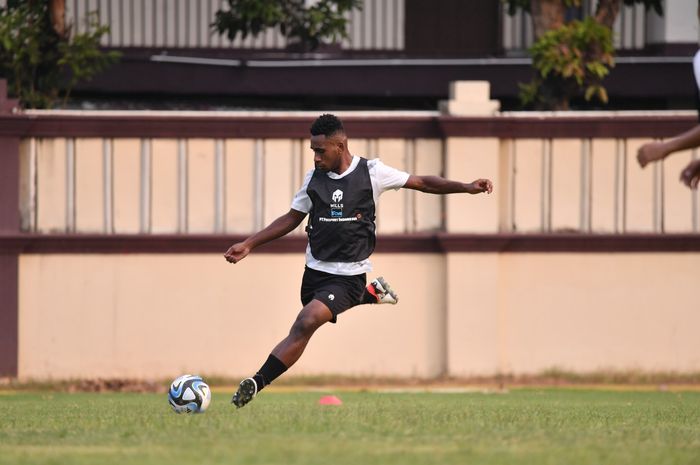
[[338, 292]]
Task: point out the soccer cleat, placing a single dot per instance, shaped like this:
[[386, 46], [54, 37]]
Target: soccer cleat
[[245, 393], [380, 289]]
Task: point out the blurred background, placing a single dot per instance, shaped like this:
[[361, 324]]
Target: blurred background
[[140, 139], [378, 54]]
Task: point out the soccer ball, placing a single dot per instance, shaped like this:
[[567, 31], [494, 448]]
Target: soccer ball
[[189, 394]]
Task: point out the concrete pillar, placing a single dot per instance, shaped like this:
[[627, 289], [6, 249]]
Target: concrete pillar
[[9, 224], [469, 98]]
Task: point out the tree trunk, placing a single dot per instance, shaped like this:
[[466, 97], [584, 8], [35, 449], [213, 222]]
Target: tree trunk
[[57, 10], [607, 11], [546, 15]]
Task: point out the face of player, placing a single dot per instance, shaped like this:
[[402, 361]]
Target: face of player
[[328, 152]]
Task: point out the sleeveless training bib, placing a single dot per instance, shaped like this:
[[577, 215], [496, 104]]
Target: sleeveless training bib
[[341, 221]]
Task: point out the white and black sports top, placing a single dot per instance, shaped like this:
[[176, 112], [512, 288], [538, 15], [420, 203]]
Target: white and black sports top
[[696, 71], [382, 178]]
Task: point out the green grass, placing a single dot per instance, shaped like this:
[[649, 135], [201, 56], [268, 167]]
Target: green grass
[[551, 426]]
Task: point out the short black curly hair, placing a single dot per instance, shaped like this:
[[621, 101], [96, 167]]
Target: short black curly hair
[[327, 125]]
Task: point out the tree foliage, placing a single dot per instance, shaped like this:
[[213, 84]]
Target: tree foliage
[[572, 58], [306, 25], [569, 60], [38, 62]]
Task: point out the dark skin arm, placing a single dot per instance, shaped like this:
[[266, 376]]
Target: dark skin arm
[[690, 176], [290, 220], [278, 228], [439, 185], [657, 150]]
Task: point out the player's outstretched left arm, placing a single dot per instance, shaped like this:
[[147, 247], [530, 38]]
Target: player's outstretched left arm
[[440, 185]]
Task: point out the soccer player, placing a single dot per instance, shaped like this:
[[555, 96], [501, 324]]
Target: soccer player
[[655, 151], [339, 196]]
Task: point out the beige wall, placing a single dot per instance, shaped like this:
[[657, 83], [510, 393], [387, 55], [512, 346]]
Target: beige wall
[[50, 185], [467, 160], [525, 313], [126, 166], [160, 315], [540, 185], [460, 314]]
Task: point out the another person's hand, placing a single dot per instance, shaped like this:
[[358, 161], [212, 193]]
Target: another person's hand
[[481, 185], [237, 252], [650, 152], [690, 176]]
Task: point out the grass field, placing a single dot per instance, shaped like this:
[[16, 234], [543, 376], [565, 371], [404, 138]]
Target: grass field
[[524, 426]]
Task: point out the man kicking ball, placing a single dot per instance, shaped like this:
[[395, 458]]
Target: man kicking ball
[[340, 196]]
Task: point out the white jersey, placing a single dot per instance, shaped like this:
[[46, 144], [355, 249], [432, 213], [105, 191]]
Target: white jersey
[[383, 178], [696, 68]]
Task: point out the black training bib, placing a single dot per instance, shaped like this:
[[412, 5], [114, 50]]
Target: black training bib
[[341, 221]]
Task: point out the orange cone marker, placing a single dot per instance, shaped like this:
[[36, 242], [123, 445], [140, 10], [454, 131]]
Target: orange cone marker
[[329, 400]]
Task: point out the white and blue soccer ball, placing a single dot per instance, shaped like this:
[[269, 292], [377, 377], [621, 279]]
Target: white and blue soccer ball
[[189, 394]]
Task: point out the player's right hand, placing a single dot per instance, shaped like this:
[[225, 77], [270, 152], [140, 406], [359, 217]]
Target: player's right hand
[[236, 252], [482, 185]]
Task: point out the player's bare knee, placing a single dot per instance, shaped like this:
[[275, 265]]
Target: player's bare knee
[[305, 325]]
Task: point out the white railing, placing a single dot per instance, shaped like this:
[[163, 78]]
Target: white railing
[[204, 185], [186, 24], [380, 25]]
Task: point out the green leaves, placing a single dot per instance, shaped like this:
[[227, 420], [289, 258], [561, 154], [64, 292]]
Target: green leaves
[[308, 26], [82, 54], [568, 61], [38, 63], [572, 60]]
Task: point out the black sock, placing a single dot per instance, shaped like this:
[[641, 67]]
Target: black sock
[[270, 371]]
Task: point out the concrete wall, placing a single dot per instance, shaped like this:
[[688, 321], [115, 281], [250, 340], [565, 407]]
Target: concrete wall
[[524, 313], [459, 314], [120, 311], [156, 316]]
